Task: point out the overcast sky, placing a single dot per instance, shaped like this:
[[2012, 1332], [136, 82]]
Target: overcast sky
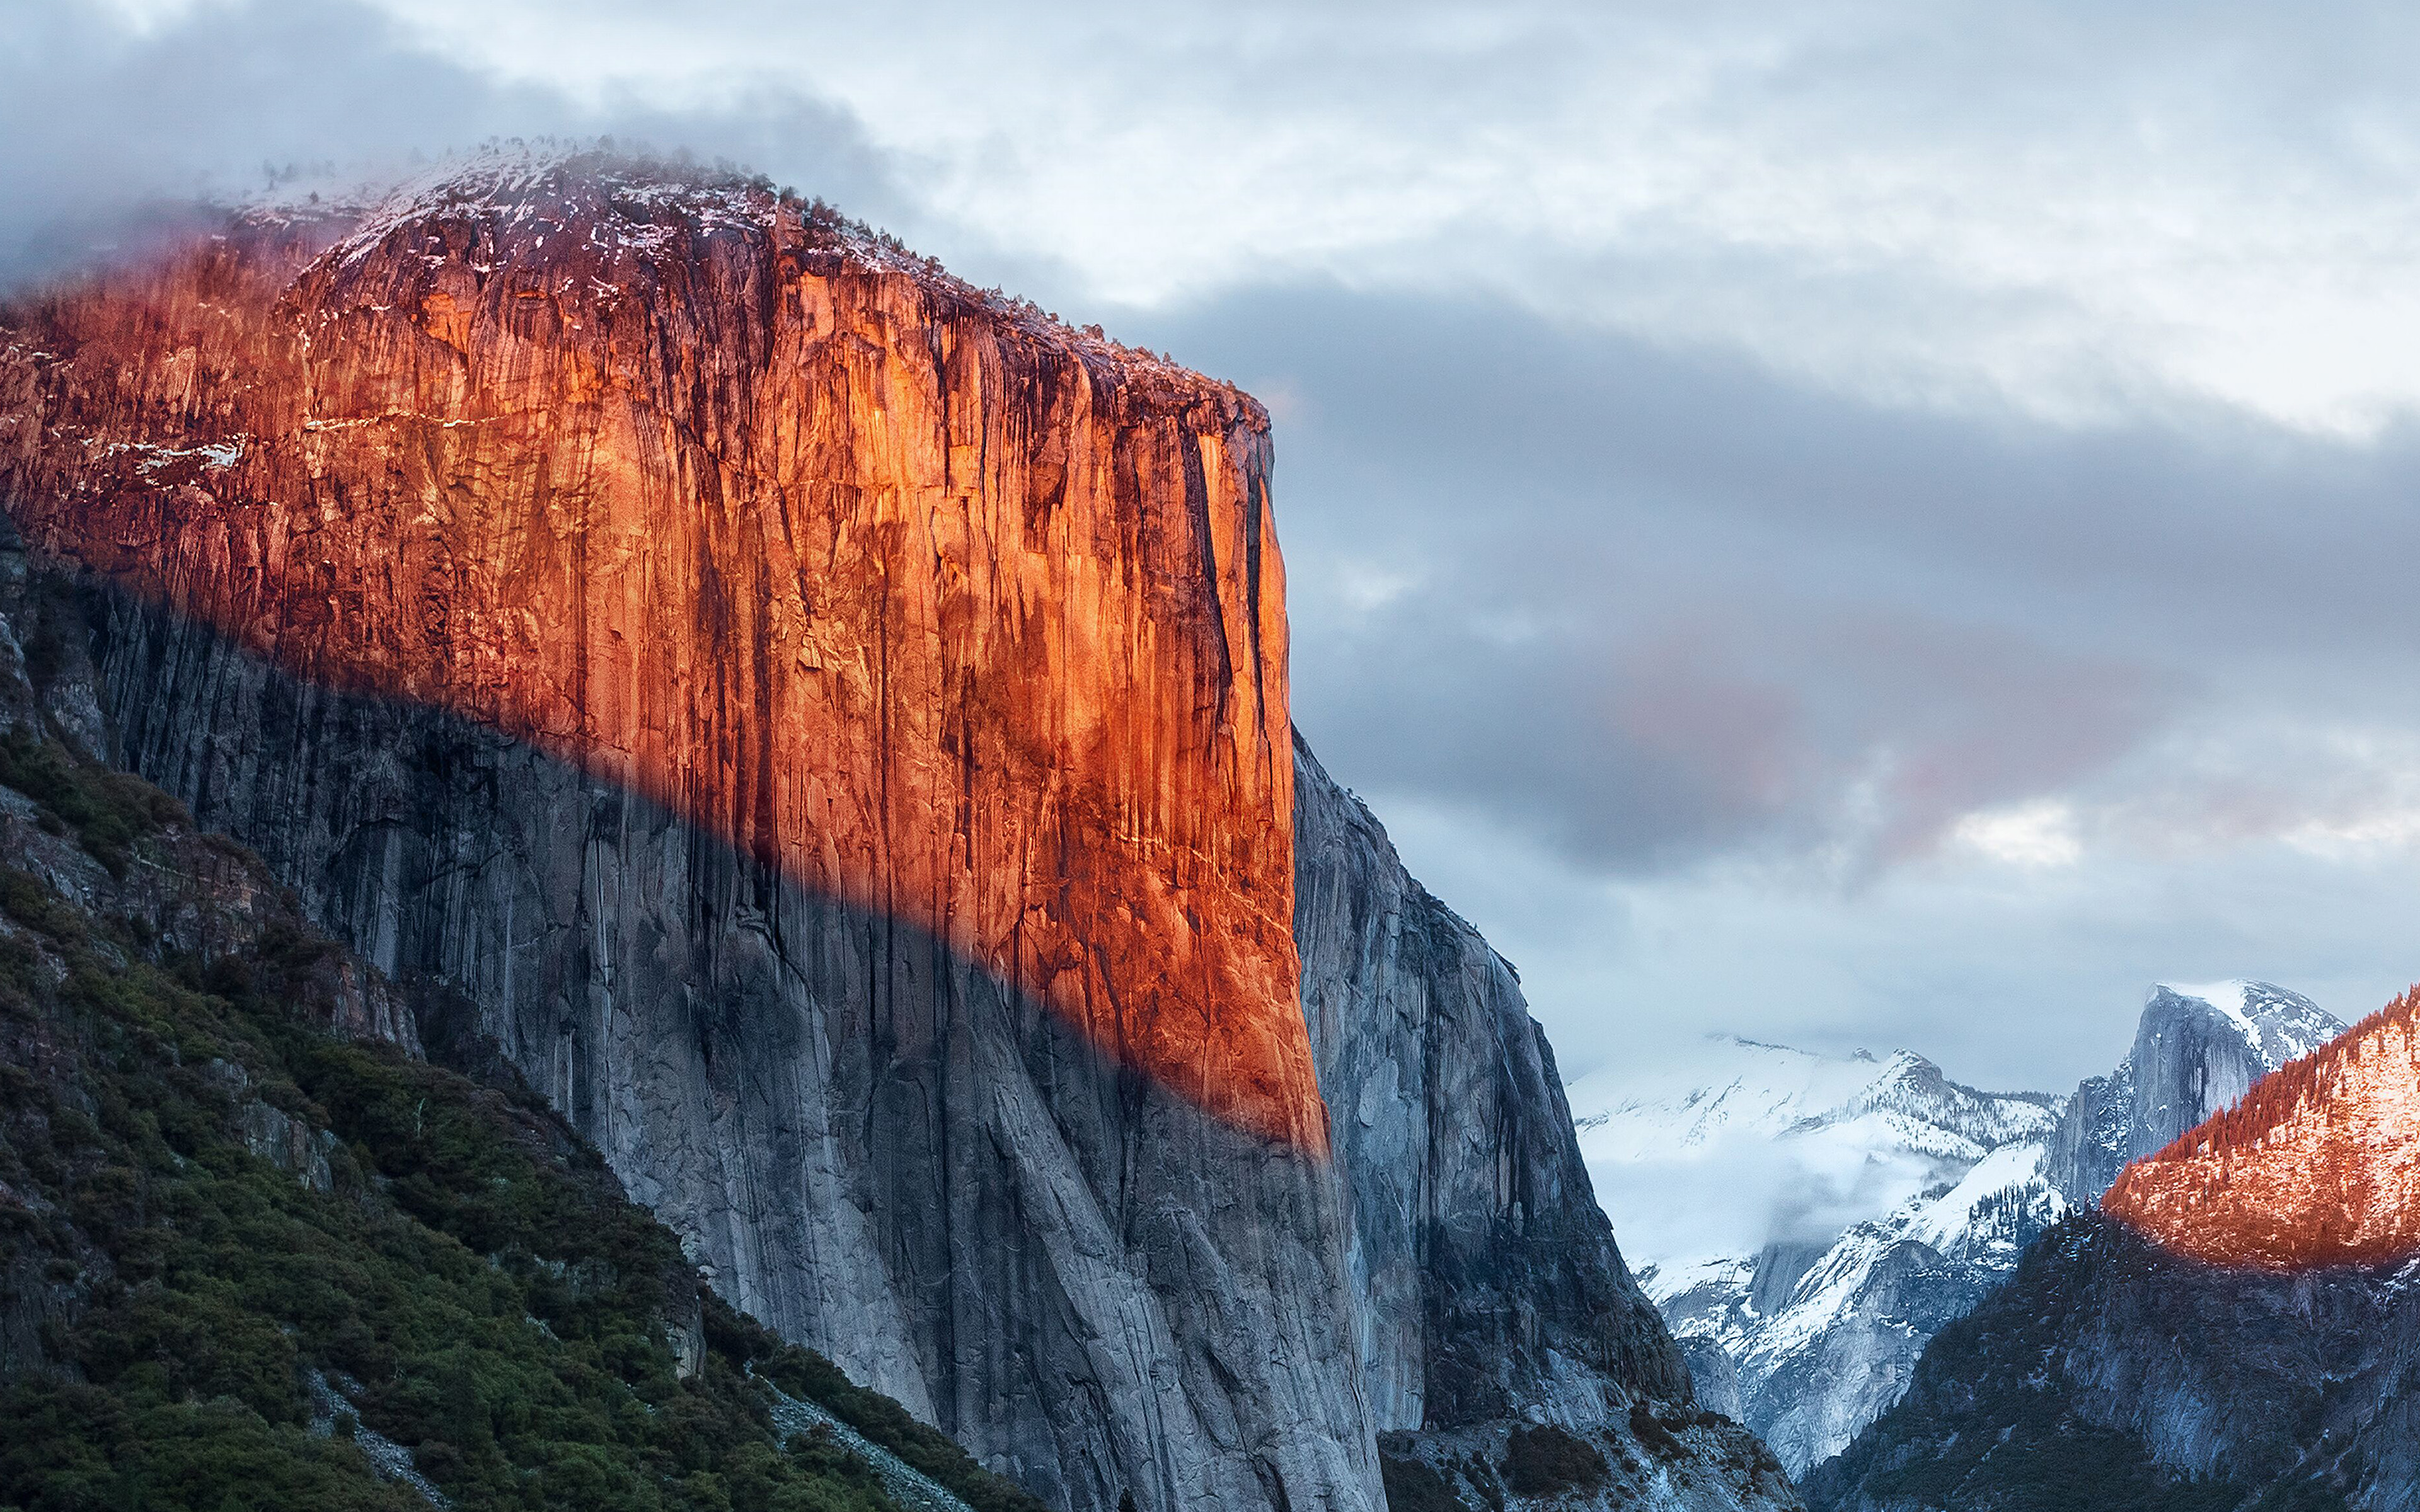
[[1853, 523]]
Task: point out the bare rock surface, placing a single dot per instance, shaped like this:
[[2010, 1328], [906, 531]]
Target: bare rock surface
[[826, 722], [1495, 1299]]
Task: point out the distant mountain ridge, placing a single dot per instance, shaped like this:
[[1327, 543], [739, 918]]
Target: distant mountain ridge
[[1810, 1336], [2236, 1329], [2197, 1050], [1938, 1187]]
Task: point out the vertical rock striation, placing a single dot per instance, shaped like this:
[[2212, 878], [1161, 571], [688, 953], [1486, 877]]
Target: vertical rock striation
[[1492, 1291], [828, 724], [2196, 1052], [1490, 1280], [926, 604]]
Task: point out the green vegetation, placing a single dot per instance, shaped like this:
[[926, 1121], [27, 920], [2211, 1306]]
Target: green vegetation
[[107, 811], [1543, 1461], [446, 1251], [803, 1373]]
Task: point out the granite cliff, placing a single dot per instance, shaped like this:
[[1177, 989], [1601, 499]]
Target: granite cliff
[[2196, 1052], [829, 722], [923, 603], [257, 1250], [1495, 1306], [828, 726]]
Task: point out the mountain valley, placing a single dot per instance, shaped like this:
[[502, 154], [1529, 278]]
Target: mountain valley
[[2236, 1328]]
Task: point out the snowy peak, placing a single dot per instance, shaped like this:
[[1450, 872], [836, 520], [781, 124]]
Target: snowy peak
[[2319, 1165], [1912, 1092], [2277, 1025], [1750, 1089], [2197, 1050], [1805, 1221]]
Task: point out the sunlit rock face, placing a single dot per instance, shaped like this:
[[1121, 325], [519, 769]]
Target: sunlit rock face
[[2317, 1165], [930, 604], [2197, 1051], [829, 725]]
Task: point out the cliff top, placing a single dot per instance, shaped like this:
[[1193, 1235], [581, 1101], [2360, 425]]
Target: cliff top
[[611, 202]]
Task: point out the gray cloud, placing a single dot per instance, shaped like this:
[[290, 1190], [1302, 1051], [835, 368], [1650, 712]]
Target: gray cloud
[[1657, 608], [116, 130]]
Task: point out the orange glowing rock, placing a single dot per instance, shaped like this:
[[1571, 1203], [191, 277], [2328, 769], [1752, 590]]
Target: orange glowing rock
[[2319, 1165], [909, 591]]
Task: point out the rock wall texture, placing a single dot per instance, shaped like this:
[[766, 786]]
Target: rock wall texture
[[1493, 1296], [926, 603], [2113, 1373], [829, 724], [826, 727], [1490, 1278], [2318, 1167]]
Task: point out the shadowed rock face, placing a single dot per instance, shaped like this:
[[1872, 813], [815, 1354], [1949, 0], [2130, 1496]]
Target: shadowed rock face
[[878, 1146], [1491, 1282], [1492, 1295]]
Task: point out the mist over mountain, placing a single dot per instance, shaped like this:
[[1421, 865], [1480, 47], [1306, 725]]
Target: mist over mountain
[[1867, 1203]]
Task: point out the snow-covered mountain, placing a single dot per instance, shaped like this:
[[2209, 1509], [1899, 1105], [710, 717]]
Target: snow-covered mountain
[[1807, 1222], [2197, 1051]]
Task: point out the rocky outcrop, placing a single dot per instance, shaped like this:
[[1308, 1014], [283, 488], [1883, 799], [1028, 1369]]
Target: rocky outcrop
[[828, 723], [917, 600], [2197, 1050], [2113, 1373], [89, 854], [1493, 1293], [2318, 1167]]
